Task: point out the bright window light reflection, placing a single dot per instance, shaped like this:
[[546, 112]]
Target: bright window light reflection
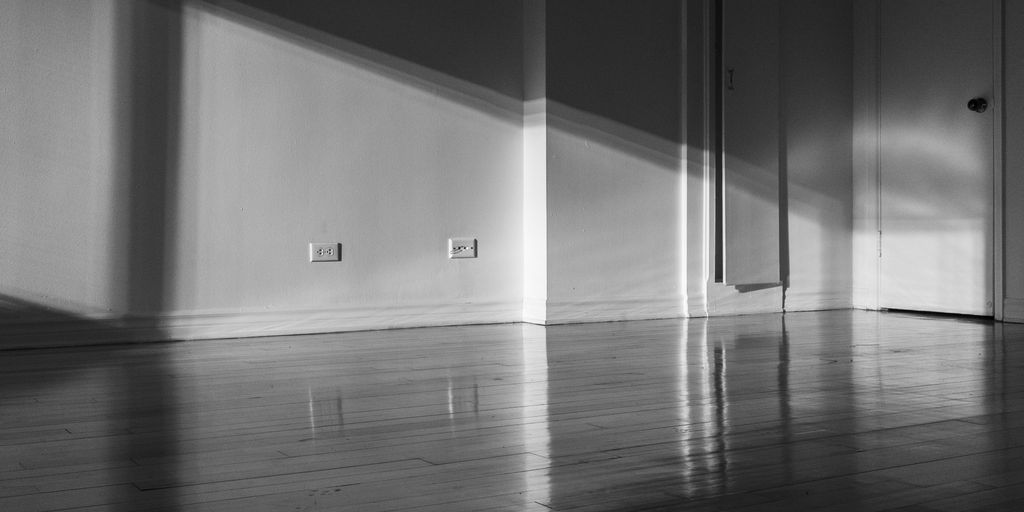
[[536, 433], [702, 414]]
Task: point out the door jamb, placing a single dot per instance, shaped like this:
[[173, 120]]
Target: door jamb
[[998, 174]]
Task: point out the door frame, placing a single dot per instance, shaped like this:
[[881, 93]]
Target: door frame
[[998, 170]]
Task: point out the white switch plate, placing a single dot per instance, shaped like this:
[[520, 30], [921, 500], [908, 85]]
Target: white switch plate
[[461, 248], [321, 251]]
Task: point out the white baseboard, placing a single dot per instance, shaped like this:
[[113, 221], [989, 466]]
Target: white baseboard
[[570, 311], [726, 300], [1013, 310], [817, 301], [72, 331]]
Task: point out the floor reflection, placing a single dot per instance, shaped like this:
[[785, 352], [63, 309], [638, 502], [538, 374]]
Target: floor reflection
[[534, 418], [613, 402], [841, 410], [758, 411]]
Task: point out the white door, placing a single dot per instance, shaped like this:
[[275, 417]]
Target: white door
[[750, 141], [936, 164]]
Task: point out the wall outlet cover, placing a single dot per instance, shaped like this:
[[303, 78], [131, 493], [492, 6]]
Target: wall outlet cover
[[324, 251], [461, 248]]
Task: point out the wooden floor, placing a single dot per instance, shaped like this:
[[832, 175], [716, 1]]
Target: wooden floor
[[838, 411]]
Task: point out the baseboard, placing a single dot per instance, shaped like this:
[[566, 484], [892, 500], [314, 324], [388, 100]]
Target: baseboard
[[570, 311], [1013, 310], [72, 331], [726, 300], [817, 301], [64, 330]]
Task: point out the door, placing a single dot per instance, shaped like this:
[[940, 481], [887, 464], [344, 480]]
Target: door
[[935, 155], [750, 141]]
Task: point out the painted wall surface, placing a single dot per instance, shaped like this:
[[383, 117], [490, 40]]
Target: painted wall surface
[[298, 141], [275, 134], [59, 156], [817, 120], [1013, 108], [614, 164]]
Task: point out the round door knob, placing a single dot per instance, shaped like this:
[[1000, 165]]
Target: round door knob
[[978, 105]]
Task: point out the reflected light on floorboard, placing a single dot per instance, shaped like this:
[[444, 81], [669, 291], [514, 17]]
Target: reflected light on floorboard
[[534, 421]]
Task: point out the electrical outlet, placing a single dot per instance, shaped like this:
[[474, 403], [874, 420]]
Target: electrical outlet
[[324, 251], [461, 248]]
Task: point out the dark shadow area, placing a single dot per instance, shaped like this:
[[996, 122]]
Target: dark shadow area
[[619, 60], [744, 288], [978, 319], [149, 80], [104, 416], [463, 50], [785, 400], [467, 39]]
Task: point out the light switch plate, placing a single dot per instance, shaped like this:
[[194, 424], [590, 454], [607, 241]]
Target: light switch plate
[[322, 251], [461, 248]]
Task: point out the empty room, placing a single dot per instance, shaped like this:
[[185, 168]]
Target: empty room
[[511, 255]]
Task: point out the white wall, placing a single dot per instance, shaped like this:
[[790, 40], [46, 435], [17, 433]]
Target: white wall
[[296, 142], [614, 171], [614, 222], [59, 168], [287, 135], [817, 105]]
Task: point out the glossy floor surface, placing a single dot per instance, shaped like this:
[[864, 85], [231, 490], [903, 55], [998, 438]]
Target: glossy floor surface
[[839, 411]]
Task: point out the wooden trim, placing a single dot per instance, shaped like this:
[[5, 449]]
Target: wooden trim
[[708, 105], [998, 171], [570, 311], [816, 301]]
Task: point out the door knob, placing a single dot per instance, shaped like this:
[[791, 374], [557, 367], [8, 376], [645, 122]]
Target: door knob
[[978, 105]]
